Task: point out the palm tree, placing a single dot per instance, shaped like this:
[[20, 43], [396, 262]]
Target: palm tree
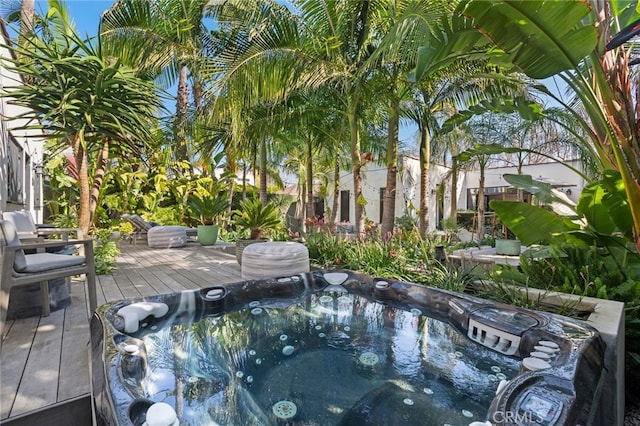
[[167, 39], [405, 26], [324, 44], [86, 101], [482, 130]]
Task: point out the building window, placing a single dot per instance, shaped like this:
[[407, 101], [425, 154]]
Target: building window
[[16, 173], [344, 206], [382, 192]]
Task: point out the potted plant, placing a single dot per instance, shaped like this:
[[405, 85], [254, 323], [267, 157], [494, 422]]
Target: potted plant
[[207, 208], [256, 218]]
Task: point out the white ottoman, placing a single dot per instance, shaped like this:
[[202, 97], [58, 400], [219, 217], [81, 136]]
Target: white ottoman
[[166, 236], [274, 259]]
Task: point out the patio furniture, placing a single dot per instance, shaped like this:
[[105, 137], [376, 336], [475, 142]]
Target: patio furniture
[[274, 259], [141, 227], [167, 236], [23, 302], [485, 255], [18, 268], [27, 228]]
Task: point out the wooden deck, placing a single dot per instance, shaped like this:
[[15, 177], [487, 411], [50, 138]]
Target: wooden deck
[[44, 360]]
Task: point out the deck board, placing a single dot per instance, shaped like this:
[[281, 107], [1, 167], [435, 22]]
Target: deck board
[[39, 384], [44, 361], [74, 348], [15, 352]]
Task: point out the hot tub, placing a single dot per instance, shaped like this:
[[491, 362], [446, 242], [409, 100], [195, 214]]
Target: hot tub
[[339, 348]]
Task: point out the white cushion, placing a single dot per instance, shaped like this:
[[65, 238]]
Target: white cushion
[[167, 236], [40, 262], [274, 259], [22, 220], [9, 237]]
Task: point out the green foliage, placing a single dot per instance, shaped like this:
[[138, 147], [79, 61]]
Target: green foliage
[[125, 228], [258, 219], [207, 200], [521, 29], [584, 271], [65, 221], [465, 219], [406, 222], [404, 256], [164, 215], [60, 189], [207, 208], [531, 224], [507, 285], [105, 251]]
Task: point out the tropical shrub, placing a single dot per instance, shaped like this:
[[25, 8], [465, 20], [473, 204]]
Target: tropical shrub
[[105, 251], [403, 256], [256, 218]]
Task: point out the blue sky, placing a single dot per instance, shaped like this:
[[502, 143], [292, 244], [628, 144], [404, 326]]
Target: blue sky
[[86, 13]]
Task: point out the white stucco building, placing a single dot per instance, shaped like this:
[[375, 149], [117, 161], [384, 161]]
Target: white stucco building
[[21, 154], [408, 188], [374, 180]]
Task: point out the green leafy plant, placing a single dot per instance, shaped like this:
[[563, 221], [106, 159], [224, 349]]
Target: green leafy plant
[[208, 200], [125, 228], [256, 218], [105, 251], [207, 207]]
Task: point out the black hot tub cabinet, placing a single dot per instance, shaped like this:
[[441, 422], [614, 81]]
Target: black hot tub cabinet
[[339, 347]]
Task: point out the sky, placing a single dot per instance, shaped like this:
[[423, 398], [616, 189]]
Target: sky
[[85, 13]]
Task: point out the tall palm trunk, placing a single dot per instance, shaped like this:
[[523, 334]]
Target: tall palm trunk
[[336, 193], [82, 166], [98, 177], [356, 161], [27, 13], [310, 206], [182, 109], [244, 182], [263, 171], [425, 162], [453, 212], [480, 221], [389, 202]]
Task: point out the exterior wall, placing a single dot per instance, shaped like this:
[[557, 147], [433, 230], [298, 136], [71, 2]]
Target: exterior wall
[[374, 177], [408, 186], [20, 154], [556, 174]]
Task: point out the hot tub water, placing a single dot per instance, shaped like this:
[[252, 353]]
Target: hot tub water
[[316, 352]]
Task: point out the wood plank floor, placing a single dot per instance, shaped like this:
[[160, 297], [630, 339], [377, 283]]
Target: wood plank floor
[[44, 360]]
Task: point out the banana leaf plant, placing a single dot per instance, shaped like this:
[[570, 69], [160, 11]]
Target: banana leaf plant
[[565, 39], [602, 219]]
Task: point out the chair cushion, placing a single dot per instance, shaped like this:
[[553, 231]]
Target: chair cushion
[[167, 236], [41, 262], [143, 224], [22, 220], [9, 237]]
